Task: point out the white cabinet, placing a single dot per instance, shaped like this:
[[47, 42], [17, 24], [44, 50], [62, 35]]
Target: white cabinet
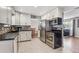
[[24, 35], [9, 46], [13, 20], [9, 17], [15, 44], [22, 19], [25, 19], [6, 46], [28, 20], [28, 35], [17, 18], [3, 15]]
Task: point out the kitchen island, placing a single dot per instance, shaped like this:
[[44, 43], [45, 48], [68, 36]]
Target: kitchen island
[[25, 35]]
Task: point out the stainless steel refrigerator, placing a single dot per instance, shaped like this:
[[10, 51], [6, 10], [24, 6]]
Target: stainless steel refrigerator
[[42, 31]]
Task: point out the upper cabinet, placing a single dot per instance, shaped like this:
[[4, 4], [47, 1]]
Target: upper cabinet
[[25, 19], [20, 19], [17, 18], [5, 16], [14, 18], [9, 17]]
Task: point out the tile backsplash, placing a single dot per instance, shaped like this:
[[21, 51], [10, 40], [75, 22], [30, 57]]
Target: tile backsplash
[[4, 30]]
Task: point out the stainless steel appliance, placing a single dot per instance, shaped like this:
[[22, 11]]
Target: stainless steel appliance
[[42, 31], [51, 32]]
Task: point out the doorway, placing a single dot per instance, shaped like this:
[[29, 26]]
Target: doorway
[[68, 27]]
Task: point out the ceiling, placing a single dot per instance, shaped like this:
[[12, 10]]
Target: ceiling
[[69, 8], [34, 10], [41, 10]]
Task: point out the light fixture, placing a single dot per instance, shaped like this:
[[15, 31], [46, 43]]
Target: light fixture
[[4, 7], [35, 6]]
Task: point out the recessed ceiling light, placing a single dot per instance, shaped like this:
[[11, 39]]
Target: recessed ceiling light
[[35, 6]]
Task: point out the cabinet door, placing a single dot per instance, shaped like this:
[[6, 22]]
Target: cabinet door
[[22, 36], [17, 18], [22, 19], [28, 35], [3, 15], [9, 17], [25, 19], [28, 20], [13, 20], [6, 46], [15, 45]]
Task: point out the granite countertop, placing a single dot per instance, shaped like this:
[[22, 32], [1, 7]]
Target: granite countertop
[[8, 36]]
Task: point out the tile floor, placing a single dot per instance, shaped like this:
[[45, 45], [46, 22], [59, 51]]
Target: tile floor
[[36, 46]]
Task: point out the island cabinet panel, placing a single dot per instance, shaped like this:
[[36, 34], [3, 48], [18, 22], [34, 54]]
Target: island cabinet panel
[[15, 47], [25, 36]]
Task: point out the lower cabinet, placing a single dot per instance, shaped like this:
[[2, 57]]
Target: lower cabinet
[[15, 47], [24, 35], [6, 46]]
